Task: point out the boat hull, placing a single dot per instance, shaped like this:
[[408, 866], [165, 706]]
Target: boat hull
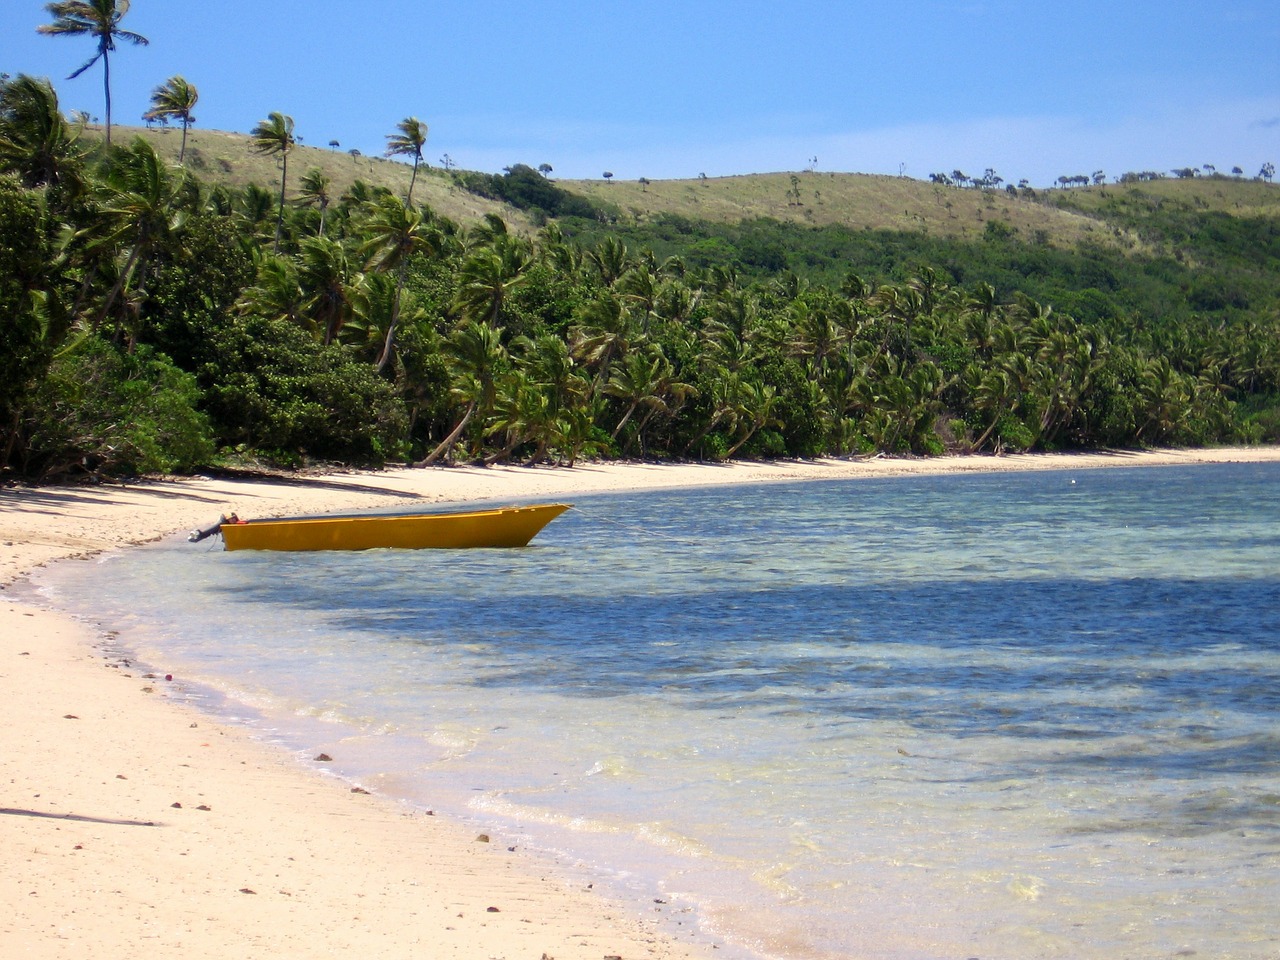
[[501, 527]]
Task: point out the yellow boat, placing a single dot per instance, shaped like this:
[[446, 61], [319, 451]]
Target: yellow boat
[[499, 527]]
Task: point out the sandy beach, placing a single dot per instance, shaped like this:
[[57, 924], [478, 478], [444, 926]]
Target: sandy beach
[[129, 822]]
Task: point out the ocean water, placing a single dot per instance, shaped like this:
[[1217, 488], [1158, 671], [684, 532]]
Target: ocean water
[[984, 716]]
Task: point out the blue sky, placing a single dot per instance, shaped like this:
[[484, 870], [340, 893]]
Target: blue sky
[[675, 88]]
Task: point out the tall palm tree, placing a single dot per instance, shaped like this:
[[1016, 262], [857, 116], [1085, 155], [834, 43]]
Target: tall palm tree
[[275, 135], [99, 19], [408, 141], [175, 98]]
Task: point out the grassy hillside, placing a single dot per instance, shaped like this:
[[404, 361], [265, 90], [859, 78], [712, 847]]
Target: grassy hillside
[[227, 158], [1117, 216], [859, 201], [1235, 196]]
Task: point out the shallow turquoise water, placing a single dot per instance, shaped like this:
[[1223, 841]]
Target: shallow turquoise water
[[1006, 716]]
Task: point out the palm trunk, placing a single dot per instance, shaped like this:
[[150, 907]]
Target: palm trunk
[[11, 441], [106, 89], [182, 151], [390, 341], [120, 283], [539, 454], [644, 423], [284, 179], [623, 422], [447, 443], [514, 439], [701, 434], [986, 434], [737, 446]]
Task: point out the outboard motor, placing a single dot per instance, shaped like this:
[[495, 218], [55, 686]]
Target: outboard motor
[[206, 532]]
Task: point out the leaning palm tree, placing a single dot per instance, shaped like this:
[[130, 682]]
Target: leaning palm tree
[[175, 98], [275, 135], [408, 142], [101, 20]]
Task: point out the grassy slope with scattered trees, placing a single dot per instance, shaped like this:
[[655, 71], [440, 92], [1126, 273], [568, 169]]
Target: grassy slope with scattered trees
[[228, 159], [151, 324]]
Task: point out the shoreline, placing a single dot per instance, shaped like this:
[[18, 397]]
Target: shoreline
[[104, 818]]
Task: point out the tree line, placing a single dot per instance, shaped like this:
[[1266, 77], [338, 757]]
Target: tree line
[[156, 322]]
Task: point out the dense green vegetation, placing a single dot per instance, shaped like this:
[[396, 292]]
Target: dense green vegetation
[[152, 320]]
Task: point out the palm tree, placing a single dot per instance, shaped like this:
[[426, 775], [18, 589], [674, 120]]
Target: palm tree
[[996, 394], [548, 365], [611, 260], [475, 356], [723, 390], [315, 189], [275, 293], [138, 212], [99, 19], [814, 337], [36, 143], [174, 98], [646, 379], [395, 233], [639, 380], [373, 297], [755, 404], [328, 284], [275, 135], [526, 414], [408, 142], [605, 330], [489, 275]]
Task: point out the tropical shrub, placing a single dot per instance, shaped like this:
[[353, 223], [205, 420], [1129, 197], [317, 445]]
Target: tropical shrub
[[103, 411], [270, 387], [24, 349]]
